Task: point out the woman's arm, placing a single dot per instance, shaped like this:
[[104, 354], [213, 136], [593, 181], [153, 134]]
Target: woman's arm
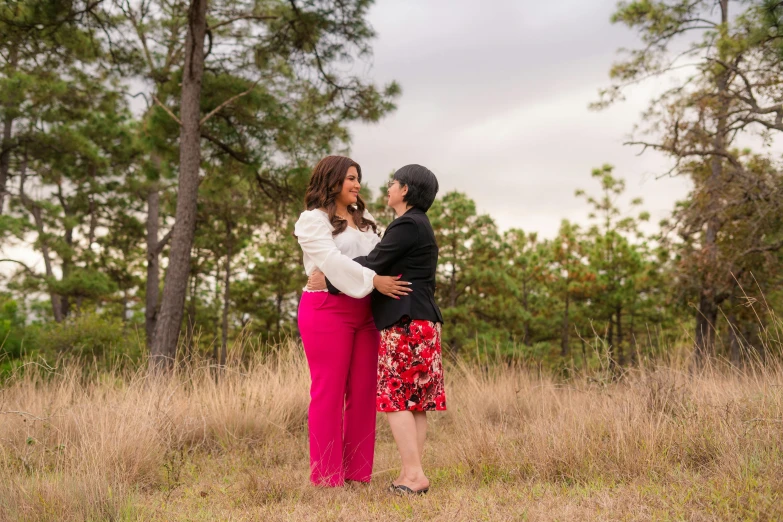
[[315, 238], [399, 238], [396, 242]]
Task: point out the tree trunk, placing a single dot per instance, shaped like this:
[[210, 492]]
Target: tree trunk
[[57, 301], [610, 353], [67, 269], [217, 295], [190, 335], [5, 158], [620, 354], [33, 208], [93, 222], [565, 350], [705, 328], [164, 346], [279, 308], [735, 345], [5, 145], [632, 344], [124, 302], [153, 263], [226, 297], [67, 259], [708, 307], [753, 337], [525, 305]]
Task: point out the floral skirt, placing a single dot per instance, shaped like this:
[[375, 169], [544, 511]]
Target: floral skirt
[[410, 368]]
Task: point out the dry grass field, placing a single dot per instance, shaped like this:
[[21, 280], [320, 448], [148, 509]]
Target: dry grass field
[[659, 444]]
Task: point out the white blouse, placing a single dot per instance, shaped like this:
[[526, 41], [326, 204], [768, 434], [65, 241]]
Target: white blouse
[[334, 255]]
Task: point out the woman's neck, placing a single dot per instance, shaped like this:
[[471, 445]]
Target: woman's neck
[[401, 209], [340, 208]]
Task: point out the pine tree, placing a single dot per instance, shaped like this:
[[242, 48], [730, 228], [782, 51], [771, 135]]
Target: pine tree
[[618, 256], [734, 90], [65, 147], [468, 263], [570, 277], [297, 43]]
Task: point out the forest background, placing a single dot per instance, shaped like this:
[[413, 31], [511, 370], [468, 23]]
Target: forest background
[[153, 161], [168, 231]]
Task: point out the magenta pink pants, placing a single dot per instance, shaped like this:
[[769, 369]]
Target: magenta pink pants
[[341, 344]]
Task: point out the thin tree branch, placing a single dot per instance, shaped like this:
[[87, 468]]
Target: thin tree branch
[[239, 156], [168, 111], [142, 36], [768, 248], [163, 242], [23, 265], [242, 17], [228, 101], [682, 154]]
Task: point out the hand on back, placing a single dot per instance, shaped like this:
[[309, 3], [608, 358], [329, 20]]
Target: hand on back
[[391, 286], [316, 282], [387, 285]]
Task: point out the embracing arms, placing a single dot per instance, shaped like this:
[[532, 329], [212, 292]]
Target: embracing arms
[[399, 238], [314, 235]]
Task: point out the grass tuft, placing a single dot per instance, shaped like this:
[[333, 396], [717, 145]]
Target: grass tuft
[[657, 444]]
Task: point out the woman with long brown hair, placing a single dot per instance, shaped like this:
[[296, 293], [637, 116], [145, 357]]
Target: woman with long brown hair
[[339, 335], [410, 370]]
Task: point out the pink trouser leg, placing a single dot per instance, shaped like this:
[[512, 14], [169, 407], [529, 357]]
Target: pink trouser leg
[[330, 327], [359, 423]]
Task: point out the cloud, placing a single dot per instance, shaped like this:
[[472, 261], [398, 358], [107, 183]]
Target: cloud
[[495, 101]]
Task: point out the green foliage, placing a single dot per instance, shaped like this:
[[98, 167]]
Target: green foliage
[[624, 296], [732, 92], [85, 284], [88, 336], [87, 185], [468, 267], [11, 332]]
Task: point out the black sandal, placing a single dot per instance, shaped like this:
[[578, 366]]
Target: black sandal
[[405, 490]]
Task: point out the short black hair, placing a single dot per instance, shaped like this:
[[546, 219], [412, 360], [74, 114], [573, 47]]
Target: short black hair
[[422, 185]]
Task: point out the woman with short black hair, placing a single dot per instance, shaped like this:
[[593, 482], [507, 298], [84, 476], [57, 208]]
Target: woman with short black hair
[[410, 369], [422, 186]]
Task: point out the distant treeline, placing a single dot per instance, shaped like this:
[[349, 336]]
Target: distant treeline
[[242, 99]]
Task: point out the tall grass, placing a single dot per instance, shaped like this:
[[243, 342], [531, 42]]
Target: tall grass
[[660, 443]]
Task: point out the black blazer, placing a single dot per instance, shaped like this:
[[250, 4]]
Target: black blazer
[[408, 247]]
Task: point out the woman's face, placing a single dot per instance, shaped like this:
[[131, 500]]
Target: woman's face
[[350, 191], [395, 194]]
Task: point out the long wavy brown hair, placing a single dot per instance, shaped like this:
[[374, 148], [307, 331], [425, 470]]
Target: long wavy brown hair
[[326, 183]]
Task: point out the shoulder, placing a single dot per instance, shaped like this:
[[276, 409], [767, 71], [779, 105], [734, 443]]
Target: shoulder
[[312, 215], [402, 221], [410, 219], [403, 227], [420, 218], [367, 215], [312, 222]]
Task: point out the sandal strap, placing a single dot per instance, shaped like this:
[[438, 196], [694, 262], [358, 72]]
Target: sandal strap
[[408, 491]]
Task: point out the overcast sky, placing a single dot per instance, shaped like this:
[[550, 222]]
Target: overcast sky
[[495, 102]]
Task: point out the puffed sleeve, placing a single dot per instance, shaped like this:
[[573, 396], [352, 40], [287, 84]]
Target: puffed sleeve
[[315, 237]]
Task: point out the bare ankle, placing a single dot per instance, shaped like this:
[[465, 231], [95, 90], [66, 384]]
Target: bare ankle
[[416, 474]]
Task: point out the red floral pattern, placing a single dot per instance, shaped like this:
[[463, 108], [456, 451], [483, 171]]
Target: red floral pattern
[[410, 368]]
